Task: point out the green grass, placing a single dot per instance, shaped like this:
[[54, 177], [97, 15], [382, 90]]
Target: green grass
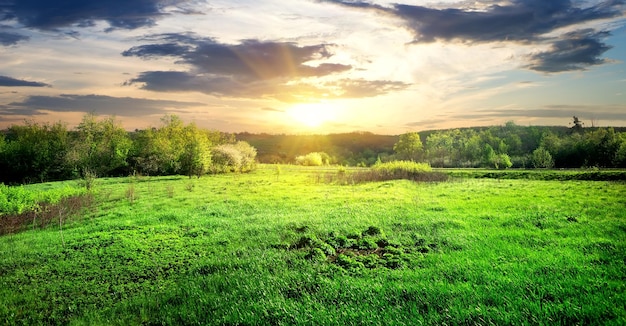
[[592, 174], [283, 249]]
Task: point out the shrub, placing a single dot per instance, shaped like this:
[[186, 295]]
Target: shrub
[[239, 157], [502, 161], [311, 159], [541, 158]]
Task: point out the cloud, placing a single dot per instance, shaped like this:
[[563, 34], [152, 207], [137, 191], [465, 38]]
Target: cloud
[[565, 111], [356, 88], [249, 69], [250, 60], [272, 109], [12, 82], [106, 105], [575, 51], [51, 15], [519, 20], [8, 37]]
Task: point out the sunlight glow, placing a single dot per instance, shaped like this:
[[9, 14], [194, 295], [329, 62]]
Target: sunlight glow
[[312, 115]]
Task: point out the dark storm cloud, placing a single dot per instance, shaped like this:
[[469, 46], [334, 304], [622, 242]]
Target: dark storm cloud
[[250, 60], [574, 51], [250, 69], [122, 106], [521, 20], [50, 15], [9, 37], [12, 82]]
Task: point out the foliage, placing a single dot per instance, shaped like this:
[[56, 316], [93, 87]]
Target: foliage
[[34, 153], [541, 158], [395, 167], [409, 147], [18, 199], [238, 157], [100, 146], [195, 158], [394, 170], [313, 159], [502, 161]]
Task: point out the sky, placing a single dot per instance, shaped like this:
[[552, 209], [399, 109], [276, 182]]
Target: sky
[[314, 66]]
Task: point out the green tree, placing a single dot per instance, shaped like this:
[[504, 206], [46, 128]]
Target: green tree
[[541, 158], [100, 146], [409, 147], [439, 146], [502, 161], [489, 155], [196, 156], [34, 152]]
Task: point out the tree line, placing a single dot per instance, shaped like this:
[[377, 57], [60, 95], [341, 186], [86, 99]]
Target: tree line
[[100, 146], [521, 147], [509, 145]]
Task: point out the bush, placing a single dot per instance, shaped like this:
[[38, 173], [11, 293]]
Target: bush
[[239, 157], [541, 158], [311, 159], [502, 161]]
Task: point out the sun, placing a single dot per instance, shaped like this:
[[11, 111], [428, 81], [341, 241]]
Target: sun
[[312, 115]]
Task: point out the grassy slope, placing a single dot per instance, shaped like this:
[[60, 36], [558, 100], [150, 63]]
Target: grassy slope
[[500, 251]]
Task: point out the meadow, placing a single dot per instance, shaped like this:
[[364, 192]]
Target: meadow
[[280, 246]]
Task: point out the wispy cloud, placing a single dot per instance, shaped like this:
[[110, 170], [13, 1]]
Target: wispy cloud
[[9, 36], [100, 104], [13, 82]]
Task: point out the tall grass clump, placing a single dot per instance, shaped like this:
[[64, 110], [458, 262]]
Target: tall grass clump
[[402, 168], [394, 170]]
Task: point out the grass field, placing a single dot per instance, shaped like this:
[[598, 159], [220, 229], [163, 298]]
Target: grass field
[[278, 247]]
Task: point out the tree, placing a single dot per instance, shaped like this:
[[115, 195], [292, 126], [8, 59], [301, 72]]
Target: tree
[[196, 156], [502, 162], [34, 153], [409, 146], [577, 124], [439, 145], [100, 146], [541, 158]]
